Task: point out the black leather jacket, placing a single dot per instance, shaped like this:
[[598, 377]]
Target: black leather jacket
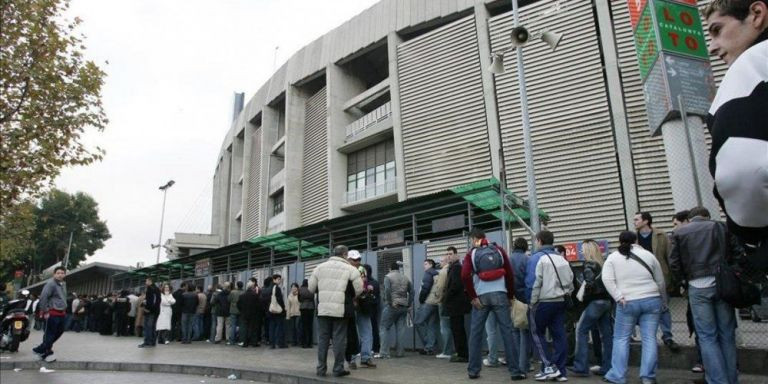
[[699, 247]]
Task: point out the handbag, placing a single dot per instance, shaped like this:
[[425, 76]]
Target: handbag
[[274, 306], [519, 313], [735, 288], [569, 304]]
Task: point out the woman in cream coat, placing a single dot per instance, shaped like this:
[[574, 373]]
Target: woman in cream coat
[[164, 319]]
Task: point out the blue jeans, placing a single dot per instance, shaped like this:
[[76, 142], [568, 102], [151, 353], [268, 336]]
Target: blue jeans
[[521, 338], [492, 336], [665, 323], [232, 323], [54, 328], [150, 321], [187, 324], [496, 305], [597, 313], [212, 337], [715, 324], [197, 328], [365, 334], [392, 316], [427, 325], [550, 316], [647, 312], [276, 330], [446, 335]]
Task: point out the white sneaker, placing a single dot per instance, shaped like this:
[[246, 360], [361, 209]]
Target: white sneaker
[[50, 358], [502, 361], [561, 378], [487, 363], [549, 373], [595, 368], [443, 356]]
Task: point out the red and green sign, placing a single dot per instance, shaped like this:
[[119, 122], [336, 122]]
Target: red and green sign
[[645, 43], [635, 9], [680, 29]]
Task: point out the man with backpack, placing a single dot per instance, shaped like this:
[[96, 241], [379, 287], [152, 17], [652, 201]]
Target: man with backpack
[[548, 286], [489, 283]]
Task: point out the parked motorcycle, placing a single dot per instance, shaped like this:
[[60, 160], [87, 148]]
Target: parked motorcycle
[[14, 326]]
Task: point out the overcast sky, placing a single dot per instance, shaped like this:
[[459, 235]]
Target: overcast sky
[[172, 68]]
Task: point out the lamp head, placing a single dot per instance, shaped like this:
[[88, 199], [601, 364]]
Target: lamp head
[[497, 64], [519, 36], [551, 38]]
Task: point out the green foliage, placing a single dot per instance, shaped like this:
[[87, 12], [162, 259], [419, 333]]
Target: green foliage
[[35, 237], [49, 96], [59, 215]]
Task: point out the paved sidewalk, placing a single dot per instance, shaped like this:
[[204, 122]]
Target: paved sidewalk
[[96, 352]]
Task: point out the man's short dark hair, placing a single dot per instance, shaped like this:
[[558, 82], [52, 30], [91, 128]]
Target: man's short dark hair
[[453, 250], [739, 9], [276, 276], [699, 211], [190, 287], [59, 268], [340, 250], [681, 216], [477, 233], [239, 285], [394, 266], [645, 216], [431, 262], [546, 237], [520, 243], [560, 249]]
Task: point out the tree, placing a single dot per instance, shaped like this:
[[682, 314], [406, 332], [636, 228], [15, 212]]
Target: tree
[[60, 214], [49, 96], [16, 234]]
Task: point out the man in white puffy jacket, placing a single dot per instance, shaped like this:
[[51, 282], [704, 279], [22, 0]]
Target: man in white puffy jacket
[[330, 280]]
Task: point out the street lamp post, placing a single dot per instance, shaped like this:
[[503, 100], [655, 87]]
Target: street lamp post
[[163, 188], [519, 37]]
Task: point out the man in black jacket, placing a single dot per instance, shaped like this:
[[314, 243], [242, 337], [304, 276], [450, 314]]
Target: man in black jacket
[[189, 303], [698, 251], [151, 310], [455, 305], [176, 312], [251, 313]]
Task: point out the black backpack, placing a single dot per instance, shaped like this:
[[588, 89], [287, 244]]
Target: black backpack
[[488, 263]]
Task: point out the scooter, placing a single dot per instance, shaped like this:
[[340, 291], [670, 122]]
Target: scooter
[[14, 326]]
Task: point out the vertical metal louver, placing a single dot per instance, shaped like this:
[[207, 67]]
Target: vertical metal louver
[[445, 139], [576, 169], [253, 188], [315, 173], [650, 162]]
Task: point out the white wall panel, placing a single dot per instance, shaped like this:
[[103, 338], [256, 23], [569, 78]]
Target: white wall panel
[[315, 173]]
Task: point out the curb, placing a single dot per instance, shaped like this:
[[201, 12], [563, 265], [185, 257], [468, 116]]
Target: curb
[[750, 361], [242, 374]]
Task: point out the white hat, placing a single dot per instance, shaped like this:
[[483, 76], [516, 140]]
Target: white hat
[[354, 255]]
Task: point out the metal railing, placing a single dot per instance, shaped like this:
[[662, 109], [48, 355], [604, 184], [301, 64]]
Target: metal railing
[[370, 191], [377, 115]]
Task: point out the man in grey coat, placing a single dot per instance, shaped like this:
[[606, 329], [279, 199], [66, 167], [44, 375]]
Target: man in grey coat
[[53, 305], [397, 298]]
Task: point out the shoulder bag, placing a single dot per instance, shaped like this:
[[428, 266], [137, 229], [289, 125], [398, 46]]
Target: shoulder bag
[[568, 299], [274, 306]]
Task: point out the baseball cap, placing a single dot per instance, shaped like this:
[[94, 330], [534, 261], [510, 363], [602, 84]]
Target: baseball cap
[[354, 255]]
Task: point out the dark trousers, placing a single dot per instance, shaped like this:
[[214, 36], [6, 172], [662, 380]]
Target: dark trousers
[[331, 328], [150, 321], [276, 330], [176, 325], [307, 318], [459, 336], [54, 327], [251, 334], [550, 316], [187, 324], [131, 326], [121, 323], [375, 326]]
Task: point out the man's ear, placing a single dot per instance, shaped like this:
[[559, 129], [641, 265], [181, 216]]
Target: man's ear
[[760, 11]]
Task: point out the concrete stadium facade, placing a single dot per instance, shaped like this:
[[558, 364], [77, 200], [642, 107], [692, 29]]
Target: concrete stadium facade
[[397, 103]]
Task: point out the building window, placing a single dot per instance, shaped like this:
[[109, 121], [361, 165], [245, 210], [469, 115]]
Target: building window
[[277, 204], [370, 167]]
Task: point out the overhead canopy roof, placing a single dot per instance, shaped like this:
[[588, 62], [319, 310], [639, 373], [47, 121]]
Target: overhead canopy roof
[[410, 221]]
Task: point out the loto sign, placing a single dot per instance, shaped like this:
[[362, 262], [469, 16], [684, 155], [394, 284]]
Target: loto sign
[[672, 58]]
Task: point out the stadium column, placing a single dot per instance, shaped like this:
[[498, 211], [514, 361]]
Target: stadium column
[[393, 40], [489, 88], [295, 105]]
